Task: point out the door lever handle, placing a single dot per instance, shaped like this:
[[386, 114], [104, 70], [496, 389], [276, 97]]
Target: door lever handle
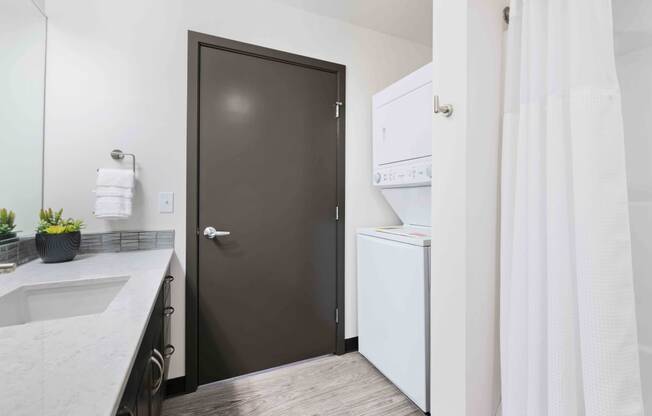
[[211, 233], [445, 109]]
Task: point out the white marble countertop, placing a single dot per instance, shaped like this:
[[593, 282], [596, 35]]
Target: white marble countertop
[[78, 366]]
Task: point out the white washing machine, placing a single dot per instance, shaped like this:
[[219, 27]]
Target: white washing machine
[[394, 307], [394, 262]]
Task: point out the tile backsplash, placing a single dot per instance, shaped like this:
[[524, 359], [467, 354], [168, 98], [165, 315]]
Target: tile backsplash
[[126, 241], [23, 251]]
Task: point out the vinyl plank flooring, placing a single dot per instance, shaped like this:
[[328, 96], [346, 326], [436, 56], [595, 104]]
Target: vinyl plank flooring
[[346, 385]]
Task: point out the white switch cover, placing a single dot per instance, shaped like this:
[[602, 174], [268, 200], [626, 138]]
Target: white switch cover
[[166, 202]]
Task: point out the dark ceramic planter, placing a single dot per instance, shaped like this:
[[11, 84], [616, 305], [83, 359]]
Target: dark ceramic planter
[[56, 248]]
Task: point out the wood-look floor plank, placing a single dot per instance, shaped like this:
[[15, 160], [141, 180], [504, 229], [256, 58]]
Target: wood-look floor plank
[[344, 385]]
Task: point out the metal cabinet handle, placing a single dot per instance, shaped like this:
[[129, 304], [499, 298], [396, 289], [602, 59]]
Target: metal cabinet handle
[[159, 382], [158, 355], [169, 279], [161, 367], [168, 310], [445, 109], [168, 351], [124, 410], [211, 233]]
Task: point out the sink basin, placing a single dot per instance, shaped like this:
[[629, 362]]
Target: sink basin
[[46, 301]]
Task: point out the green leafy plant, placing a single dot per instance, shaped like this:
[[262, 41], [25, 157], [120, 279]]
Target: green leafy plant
[[7, 219], [52, 222]]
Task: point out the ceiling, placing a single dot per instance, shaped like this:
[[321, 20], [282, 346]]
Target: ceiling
[[407, 19]]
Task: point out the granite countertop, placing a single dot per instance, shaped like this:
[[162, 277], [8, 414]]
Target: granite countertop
[[78, 366]]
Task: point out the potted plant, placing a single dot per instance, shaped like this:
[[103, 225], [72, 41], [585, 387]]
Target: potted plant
[[57, 239], [7, 224]]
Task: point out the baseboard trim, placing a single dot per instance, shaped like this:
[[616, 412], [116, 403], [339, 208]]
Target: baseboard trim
[[175, 386], [351, 344]]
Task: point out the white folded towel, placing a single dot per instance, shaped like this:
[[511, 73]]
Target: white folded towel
[[111, 207], [113, 193], [121, 178]]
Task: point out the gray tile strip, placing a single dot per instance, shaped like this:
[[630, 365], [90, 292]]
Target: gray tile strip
[[24, 250], [9, 252]]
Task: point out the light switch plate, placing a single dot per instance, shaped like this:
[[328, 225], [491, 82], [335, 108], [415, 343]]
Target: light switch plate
[[166, 202]]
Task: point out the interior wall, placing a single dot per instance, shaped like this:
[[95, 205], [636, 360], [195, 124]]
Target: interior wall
[[117, 79], [465, 361], [633, 47], [40, 4], [483, 155], [634, 67], [448, 244]]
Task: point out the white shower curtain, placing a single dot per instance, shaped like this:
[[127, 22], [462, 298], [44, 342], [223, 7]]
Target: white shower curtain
[[568, 324]]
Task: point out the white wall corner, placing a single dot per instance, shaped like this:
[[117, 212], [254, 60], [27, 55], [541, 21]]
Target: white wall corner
[[467, 50]]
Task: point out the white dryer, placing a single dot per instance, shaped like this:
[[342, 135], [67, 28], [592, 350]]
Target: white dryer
[[402, 145], [394, 262]]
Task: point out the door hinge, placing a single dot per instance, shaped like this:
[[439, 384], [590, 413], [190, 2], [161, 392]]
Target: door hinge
[[337, 213], [337, 316], [338, 104]]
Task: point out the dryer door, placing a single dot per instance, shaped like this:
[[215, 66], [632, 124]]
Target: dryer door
[[402, 127]]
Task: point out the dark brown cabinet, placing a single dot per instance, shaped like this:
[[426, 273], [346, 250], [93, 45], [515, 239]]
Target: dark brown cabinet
[[143, 395], [143, 401]]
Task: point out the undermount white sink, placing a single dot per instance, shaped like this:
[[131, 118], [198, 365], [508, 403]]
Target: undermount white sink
[[42, 302]]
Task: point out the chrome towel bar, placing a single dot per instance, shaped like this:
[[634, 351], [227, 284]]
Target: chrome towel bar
[[118, 154]]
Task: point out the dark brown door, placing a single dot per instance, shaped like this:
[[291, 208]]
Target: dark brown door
[[267, 171]]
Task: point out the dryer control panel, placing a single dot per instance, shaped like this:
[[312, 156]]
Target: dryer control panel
[[418, 173]]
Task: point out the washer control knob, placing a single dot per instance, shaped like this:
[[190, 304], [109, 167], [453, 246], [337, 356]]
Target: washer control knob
[[377, 177]]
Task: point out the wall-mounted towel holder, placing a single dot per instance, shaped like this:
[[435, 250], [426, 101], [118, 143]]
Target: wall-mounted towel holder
[[118, 154]]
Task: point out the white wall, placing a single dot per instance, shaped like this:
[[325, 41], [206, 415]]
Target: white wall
[[40, 4], [484, 137], [465, 370], [117, 79], [635, 76]]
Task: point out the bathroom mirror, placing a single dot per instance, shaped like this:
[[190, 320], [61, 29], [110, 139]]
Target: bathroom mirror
[[22, 98]]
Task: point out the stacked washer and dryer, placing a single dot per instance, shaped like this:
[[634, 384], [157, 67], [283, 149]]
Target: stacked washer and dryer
[[394, 262]]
